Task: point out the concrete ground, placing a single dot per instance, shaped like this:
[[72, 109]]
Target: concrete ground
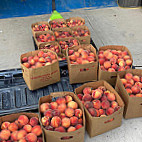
[[108, 26]]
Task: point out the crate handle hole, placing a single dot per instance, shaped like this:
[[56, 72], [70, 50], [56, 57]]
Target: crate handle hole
[[66, 138], [109, 120], [81, 70], [113, 76]]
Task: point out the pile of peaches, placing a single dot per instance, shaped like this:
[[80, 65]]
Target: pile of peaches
[[73, 22], [57, 24], [132, 84], [81, 56], [62, 34], [62, 115], [39, 60], [41, 27], [99, 102], [22, 130], [114, 60], [79, 32]]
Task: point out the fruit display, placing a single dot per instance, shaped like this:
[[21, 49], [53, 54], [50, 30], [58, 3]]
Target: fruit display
[[42, 58], [68, 43], [40, 27], [132, 84], [72, 22], [62, 115], [57, 24], [80, 32], [112, 60], [62, 34], [23, 129], [99, 102], [81, 56]]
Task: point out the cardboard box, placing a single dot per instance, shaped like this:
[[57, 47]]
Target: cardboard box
[[57, 20], [39, 23], [40, 33], [75, 18], [54, 136], [42, 76], [82, 72], [82, 39], [133, 105], [99, 125], [14, 116], [110, 77]]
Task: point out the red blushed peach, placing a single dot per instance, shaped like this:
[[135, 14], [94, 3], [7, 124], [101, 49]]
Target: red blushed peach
[[27, 128], [121, 69], [121, 63], [72, 57], [18, 124], [85, 61], [127, 67], [105, 104], [107, 64], [91, 59], [34, 121], [37, 130], [48, 113], [92, 54], [130, 81], [70, 52], [106, 92], [31, 62], [103, 88], [73, 105], [128, 62], [68, 98], [26, 64], [66, 122], [124, 53], [104, 98], [78, 113], [114, 52], [79, 60], [114, 104], [55, 121], [39, 139], [4, 134], [101, 52], [135, 90], [14, 136], [126, 57], [71, 128], [22, 140], [132, 95], [56, 112], [12, 127], [44, 107], [74, 120], [109, 111], [86, 97], [69, 112], [61, 100], [5, 125], [87, 90], [21, 134], [124, 81], [101, 56], [45, 121], [128, 85], [62, 107], [38, 64], [136, 78], [108, 54], [111, 70], [103, 115], [139, 84], [40, 54], [129, 91], [101, 111], [78, 126], [92, 111], [31, 137], [62, 115], [138, 95], [120, 60], [76, 54], [60, 129], [101, 61], [98, 113], [97, 104], [53, 105], [36, 58], [49, 128], [111, 97], [115, 66], [80, 121], [24, 59], [113, 61], [88, 104], [96, 94]]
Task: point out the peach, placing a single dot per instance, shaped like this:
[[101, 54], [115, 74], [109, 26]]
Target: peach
[[111, 70], [121, 63], [60, 129], [34, 121], [101, 56], [48, 113], [18, 124], [26, 64], [70, 52], [92, 54], [27, 128], [61, 100], [74, 120], [39, 139], [36, 58], [53, 105], [108, 54], [88, 104], [138, 95], [40, 54], [129, 91], [97, 113], [92, 111], [68, 98], [55, 121], [31, 62], [111, 97], [87, 90], [139, 84], [121, 69], [21, 134], [24, 59], [136, 78], [22, 140], [107, 64], [132, 95], [124, 81], [73, 105], [103, 115], [13, 127], [130, 81], [104, 98], [14, 136], [62, 115], [79, 60], [45, 121], [101, 61], [31, 137], [105, 104], [23, 120], [66, 122], [114, 104], [126, 57], [103, 88], [71, 128], [77, 54], [78, 113], [37, 130], [49, 128], [38, 64], [128, 76], [80, 121], [124, 53], [115, 66], [56, 112], [101, 111], [97, 104], [62, 107], [4, 134], [91, 59], [135, 90], [78, 126], [5, 125], [86, 97], [85, 61], [128, 62], [69, 112], [128, 85], [113, 61], [106, 92], [96, 94], [109, 111]]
